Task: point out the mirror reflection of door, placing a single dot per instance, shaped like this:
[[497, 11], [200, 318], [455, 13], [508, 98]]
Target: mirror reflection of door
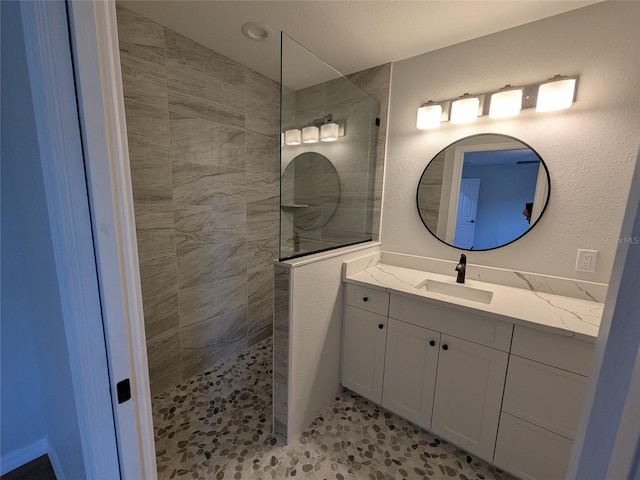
[[509, 180], [514, 185], [467, 209]]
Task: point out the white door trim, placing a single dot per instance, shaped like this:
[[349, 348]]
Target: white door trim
[[625, 448], [101, 106], [456, 178], [54, 101]]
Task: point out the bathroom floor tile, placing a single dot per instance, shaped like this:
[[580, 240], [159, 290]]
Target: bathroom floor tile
[[217, 425]]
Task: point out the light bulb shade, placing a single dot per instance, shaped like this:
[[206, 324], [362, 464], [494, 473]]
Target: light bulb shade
[[310, 134], [506, 103], [293, 137], [555, 95], [329, 132], [465, 110], [429, 116]]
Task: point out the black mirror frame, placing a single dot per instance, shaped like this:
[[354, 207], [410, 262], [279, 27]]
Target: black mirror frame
[[546, 169]]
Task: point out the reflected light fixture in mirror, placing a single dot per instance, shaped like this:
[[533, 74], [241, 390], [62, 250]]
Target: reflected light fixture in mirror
[[556, 94], [465, 109], [429, 116], [310, 134], [505, 103], [329, 132], [293, 137]]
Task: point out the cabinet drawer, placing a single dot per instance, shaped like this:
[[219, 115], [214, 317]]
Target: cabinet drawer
[[467, 326], [546, 396], [530, 452], [553, 349], [370, 299]]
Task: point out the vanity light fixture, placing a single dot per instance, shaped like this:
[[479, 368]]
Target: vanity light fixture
[[323, 129], [506, 102], [429, 116], [329, 132], [556, 93], [293, 137], [465, 109], [310, 134]]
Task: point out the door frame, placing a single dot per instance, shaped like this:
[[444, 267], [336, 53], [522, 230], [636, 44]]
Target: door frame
[[51, 78], [456, 178], [93, 28]]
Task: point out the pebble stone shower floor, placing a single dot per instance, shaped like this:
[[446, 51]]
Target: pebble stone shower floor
[[217, 425]]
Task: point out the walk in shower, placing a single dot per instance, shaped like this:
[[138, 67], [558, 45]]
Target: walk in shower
[[213, 167], [203, 133], [327, 156]]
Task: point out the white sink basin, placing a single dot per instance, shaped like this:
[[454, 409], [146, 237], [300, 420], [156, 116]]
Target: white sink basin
[[457, 290]]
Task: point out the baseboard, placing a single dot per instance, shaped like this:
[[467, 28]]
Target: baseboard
[[55, 462], [18, 458]]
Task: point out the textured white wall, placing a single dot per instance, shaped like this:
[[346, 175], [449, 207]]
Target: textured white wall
[[589, 149]]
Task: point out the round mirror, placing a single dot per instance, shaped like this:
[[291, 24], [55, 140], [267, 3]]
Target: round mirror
[[483, 192], [310, 191]]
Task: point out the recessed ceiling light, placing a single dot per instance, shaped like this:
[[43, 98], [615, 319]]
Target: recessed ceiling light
[[257, 31]]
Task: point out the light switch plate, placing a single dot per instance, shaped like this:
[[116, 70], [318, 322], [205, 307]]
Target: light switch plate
[[586, 261]]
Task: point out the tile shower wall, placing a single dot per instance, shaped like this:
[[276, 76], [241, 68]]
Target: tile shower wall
[[376, 81], [430, 194], [203, 136]]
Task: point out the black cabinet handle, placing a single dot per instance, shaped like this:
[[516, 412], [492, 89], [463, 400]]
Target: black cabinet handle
[[365, 299], [432, 343], [381, 326], [445, 347]]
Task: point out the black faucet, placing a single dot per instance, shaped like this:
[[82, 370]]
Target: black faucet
[[461, 268]]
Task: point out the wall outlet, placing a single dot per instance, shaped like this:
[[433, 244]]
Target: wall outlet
[[586, 261]]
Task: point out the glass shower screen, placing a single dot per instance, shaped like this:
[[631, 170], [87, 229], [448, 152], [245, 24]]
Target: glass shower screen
[[328, 144]]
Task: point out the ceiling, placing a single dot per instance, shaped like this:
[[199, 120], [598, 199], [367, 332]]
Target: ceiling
[[501, 157], [349, 35]]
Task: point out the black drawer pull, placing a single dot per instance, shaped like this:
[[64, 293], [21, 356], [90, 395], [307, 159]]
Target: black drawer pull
[[381, 326], [445, 347], [365, 299], [432, 343]]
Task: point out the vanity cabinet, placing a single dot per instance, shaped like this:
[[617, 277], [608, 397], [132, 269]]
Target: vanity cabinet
[[509, 394], [444, 384], [431, 366], [542, 402], [463, 403]]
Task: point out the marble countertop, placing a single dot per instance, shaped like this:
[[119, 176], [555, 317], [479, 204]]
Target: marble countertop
[[564, 315]]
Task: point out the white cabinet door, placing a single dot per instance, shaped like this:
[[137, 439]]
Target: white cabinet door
[[363, 348], [410, 371], [468, 395], [531, 452]]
